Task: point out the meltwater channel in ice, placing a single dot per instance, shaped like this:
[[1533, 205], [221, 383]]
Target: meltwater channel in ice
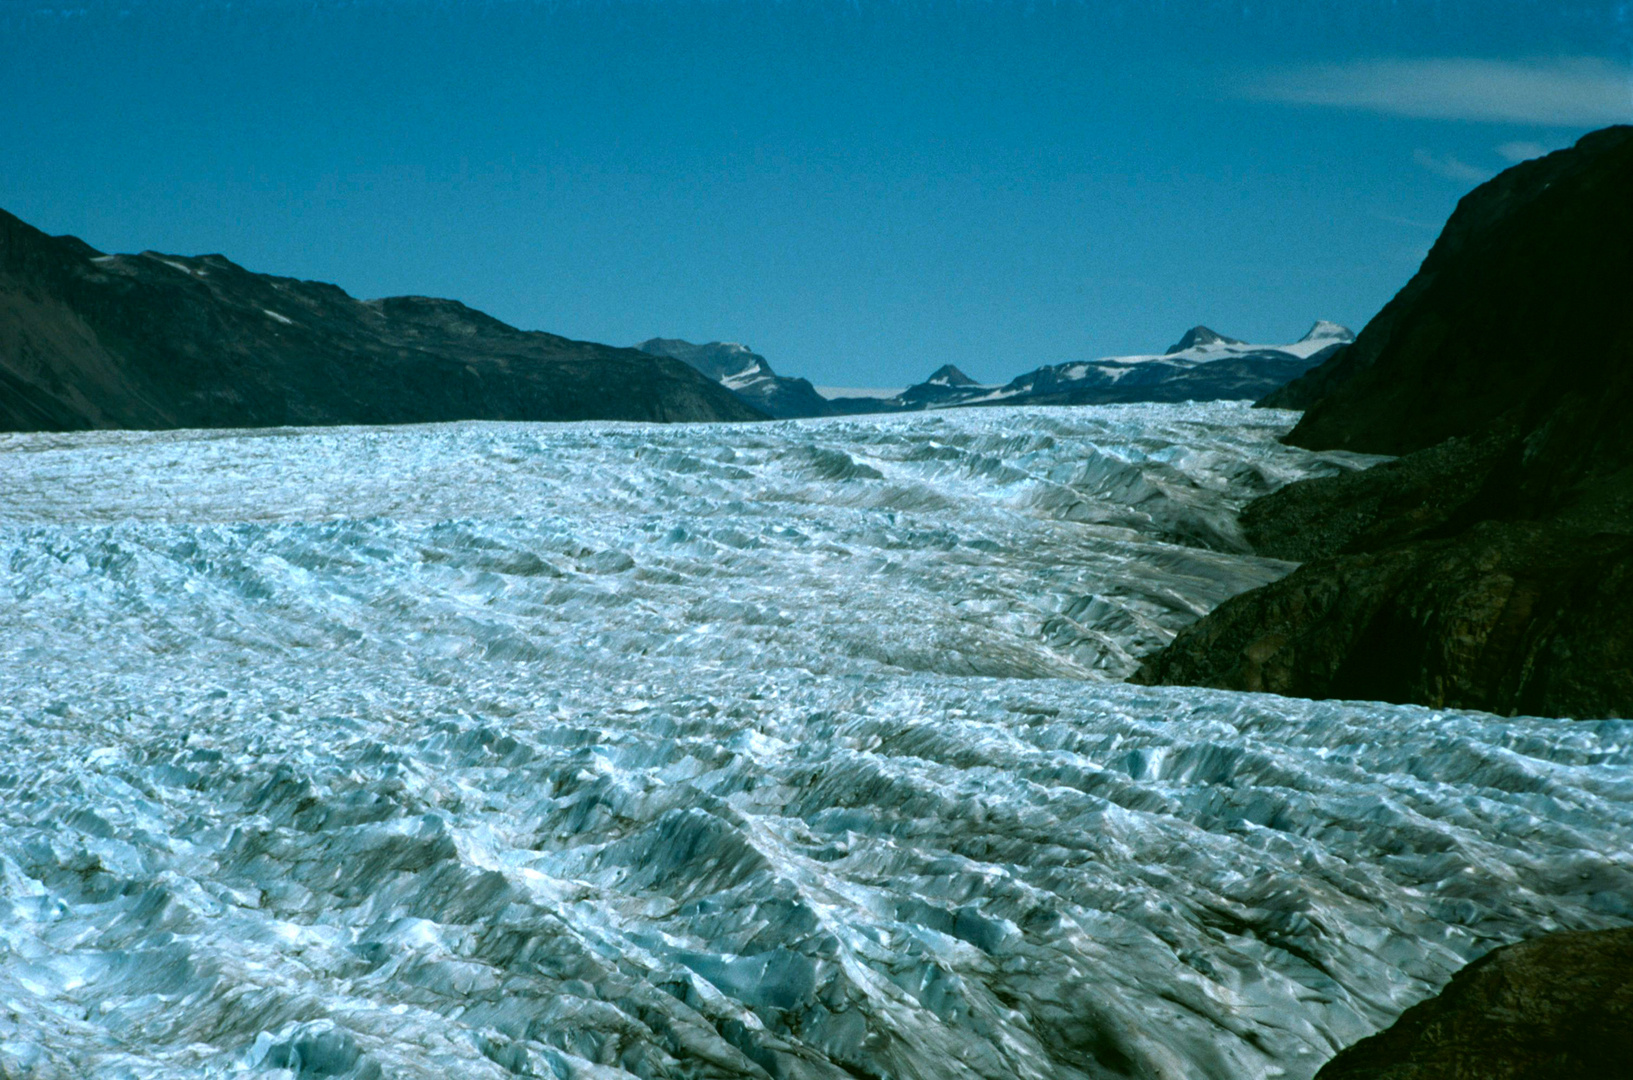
[[786, 750]]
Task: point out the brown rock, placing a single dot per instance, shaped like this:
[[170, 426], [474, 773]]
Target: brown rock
[[1491, 567], [1507, 618], [1558, 1007], [165, 341]]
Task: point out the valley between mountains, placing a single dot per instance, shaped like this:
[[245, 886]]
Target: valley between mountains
[[390, 691]]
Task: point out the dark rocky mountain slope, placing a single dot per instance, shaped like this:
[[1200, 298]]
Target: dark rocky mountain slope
[[747, 374], [946, 386], [1552, 1008], [1491, 566], [1198, 336], [89, 340]]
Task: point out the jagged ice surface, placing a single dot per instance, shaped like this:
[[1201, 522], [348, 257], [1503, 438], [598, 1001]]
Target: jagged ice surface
[[719, 751]]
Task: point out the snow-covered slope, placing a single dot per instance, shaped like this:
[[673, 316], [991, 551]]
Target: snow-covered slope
[[1200, 345], [609, 751], [1322, 335]]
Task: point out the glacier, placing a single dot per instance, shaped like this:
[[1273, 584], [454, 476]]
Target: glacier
[[786, 750]]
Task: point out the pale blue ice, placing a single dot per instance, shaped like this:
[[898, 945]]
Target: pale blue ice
[[791, 750]]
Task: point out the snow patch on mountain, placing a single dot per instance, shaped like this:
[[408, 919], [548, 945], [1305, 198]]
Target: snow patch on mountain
[[948, 375], [1322, 335], [746, 373], [1199, 337], [1178, 374]]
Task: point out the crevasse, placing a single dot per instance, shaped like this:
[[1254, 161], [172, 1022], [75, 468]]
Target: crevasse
[[782, 750]]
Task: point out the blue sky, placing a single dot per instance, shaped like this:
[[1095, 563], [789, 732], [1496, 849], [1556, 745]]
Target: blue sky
[[862, 191]]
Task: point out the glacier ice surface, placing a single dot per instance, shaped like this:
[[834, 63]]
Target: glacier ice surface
[[788, 750]]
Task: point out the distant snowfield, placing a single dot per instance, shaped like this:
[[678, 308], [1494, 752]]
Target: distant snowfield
[[1198, 348], [883, 393], [610, 750]]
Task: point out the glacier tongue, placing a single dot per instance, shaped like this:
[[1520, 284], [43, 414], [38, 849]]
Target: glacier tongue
[[778, 750]]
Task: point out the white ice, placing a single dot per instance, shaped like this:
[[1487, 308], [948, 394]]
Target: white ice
[[781, 750], [886, 392]]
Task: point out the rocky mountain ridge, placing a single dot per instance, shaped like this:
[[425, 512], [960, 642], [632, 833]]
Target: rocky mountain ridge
[[151, 341], [1491, 566], [1198, 336], [1203, 366], [747, 374], [1560, 1005], [1211, 367]]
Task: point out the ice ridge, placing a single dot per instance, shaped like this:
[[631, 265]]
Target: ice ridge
[[601, 751]]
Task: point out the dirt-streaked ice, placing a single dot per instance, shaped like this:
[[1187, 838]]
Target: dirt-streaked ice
[[719, 751]]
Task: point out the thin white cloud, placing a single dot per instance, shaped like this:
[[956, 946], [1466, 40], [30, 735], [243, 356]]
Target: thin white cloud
[[1582, 91], [1521, 151], [1450, 167]]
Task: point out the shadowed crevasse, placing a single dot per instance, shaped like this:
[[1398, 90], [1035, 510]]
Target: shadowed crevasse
[[1488, 567]]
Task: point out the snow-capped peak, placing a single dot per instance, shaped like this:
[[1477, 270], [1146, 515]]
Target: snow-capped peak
[[1198, 336], [1328, 332], [948, 375], [1323, 335]]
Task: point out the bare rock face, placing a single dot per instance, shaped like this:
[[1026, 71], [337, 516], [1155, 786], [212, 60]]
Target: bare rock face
[[1487, 568], [1521, 301], [165, 341], [1506, 618], [1201, 335], [747, 374], [1558, 1007]]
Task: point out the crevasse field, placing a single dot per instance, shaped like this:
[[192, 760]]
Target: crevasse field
[[791, 750]]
